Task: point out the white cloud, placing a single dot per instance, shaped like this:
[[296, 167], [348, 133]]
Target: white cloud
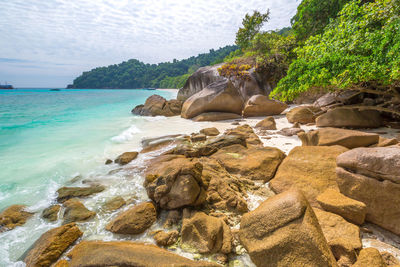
[[90, 33]]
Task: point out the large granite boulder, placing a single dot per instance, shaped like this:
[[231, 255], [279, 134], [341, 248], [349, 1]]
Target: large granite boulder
[[220, 96], [173, 181], [75, 211], [261, 105], [200, 80], [157, 105], [126, 253], [284, 231], [368, 175], [350, 118], [51, 245], [13, 216], [206, 234], [303, 114], [336, 136], [310, 169], [135, 220], [65, 193], [216, 116], [257, 163]]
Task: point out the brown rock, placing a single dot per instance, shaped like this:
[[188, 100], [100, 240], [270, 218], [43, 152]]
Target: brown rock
[[61, 263], [166, 238], [352, 210], [290, 131], [108, 161], [75, 211], [258, 163], [157, 105], [114, 204], [51, 213], [13, 216], [126, 157], [135, 220], [283, 231], [50, 246], [369, 257], [210, 131], [350, 118], [387, 142], [246, 132], [126, 253], [65, 193], [206, 234], [198, 138], [173, 218], [302, 114], [216, 116], [310, 169], [174, 181], [267, 124], [336, 136], [389, 259], [343, 251], [220, 96], [260, 105]]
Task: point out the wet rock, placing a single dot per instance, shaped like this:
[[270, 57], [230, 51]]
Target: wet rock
[[157, 105], [260, 105], [174, 181], [216, 116], [65, 193], [290, 131], [303, 114], [50, 246], [247, 133], [336, 136], [114, 204], [352, 210], [267, 124], [210, 131], [166, 238], [350, 118], [108, 161], [369, 257], [126, 253], [51, 213], [221, 96], [198, 138], [134, 221], [75, 211], [126, 157], [13, 216], [283, 231], [310, 169], [258, 163], [206, 234], [173, 218]]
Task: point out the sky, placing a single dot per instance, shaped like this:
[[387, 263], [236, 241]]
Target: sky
[[48, 43]]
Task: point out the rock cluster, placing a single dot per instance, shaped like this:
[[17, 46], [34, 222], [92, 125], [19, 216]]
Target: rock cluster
[[157, 105]]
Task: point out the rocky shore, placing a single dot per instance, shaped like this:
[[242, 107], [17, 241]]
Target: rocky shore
[[271, 184]]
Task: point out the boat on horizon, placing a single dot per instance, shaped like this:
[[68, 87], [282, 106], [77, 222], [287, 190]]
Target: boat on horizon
[[6, 86]]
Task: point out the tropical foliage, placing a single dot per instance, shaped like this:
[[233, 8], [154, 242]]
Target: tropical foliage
[[251, 26]]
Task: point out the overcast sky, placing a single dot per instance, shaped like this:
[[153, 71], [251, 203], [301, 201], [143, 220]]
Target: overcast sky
[[47, 43]]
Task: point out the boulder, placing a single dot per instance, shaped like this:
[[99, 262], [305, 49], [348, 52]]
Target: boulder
[[206, 234], [75, 211], [51, 213], [13, 216], [283, 231], [310, 169], [166, 238], [114, 204], [258, 163], [387, 142], [346, 97], [126, 157], [51, 245], [65, 193], [157, 105], [350, 118], [220, 96], [199, 80], [246, 132], [216, 116], [336, 136], [369, 257], [267, 124], [210, 131], [303, 114], [352, 210], [173, 181], [135, 220], [198, 138], [343, 251], [261, 105], [127, 253]]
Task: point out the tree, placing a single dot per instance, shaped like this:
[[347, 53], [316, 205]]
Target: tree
[[251, 26]]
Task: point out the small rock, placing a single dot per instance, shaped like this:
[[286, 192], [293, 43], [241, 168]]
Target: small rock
[[369, 257], [114, 204], [51, 213], [296, 125], [108, 161], [303, 114], [344, 252], [235, 123], [65, 193], [290, 131], [389, 259], [166, 238], [173, 218], [126, 157], [75, 211], [267, 124], [198, 138], [210, 131], [13, 216]]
